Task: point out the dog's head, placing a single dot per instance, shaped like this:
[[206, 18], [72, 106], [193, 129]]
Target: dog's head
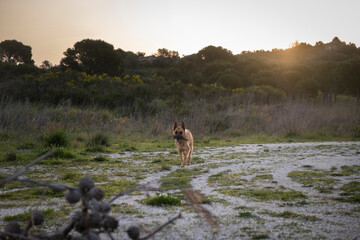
[[178, 132]]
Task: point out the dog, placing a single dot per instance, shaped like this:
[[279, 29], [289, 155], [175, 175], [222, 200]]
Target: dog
[[184, 142]]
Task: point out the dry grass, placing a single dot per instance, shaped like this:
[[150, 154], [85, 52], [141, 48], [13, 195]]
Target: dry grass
[[289, 118]]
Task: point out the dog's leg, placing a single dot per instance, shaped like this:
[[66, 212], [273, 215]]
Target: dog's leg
[[182, 158], [189, 158], [189, 154]]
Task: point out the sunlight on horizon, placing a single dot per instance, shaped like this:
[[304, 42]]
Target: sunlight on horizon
[[50, 27]]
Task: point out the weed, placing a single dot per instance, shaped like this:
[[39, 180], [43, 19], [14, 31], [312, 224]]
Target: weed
[[245, 215], [162, 199], [100, 159]]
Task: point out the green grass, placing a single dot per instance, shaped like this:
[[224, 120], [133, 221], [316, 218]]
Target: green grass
[[27, 194], [115, 187], [245, 215], [263, 177], [49, 213], [351, 192], [264, 195], [289, 214], [226, 178], [162, 199], [179, 179], [319, 179]]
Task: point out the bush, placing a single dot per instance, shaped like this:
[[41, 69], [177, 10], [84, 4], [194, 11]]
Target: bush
[[59, 138], [100, 139]]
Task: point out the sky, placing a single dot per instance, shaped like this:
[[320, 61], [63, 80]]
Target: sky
[[186, 26]]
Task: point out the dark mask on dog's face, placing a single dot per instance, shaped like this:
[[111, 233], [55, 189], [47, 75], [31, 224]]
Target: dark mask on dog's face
[[179, 131]]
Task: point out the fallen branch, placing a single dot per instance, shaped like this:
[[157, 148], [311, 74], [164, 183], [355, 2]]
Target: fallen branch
[[195, 199]]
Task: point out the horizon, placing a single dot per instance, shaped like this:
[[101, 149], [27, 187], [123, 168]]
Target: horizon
[[187, 27]]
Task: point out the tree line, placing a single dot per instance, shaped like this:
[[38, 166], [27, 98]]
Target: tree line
[[94, 72]]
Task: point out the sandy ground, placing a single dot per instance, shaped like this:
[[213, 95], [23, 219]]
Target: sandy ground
[[320, 216], [335, 220]]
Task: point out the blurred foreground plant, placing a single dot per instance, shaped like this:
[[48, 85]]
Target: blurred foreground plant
[[88, 223]]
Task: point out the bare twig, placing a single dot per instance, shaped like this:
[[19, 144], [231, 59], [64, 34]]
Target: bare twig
[[23, 169], [161, 227]]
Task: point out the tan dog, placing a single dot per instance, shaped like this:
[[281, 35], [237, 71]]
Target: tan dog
[[184, 142]]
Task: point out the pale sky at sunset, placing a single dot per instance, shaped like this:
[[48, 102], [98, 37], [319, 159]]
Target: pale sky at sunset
[[186, 26]]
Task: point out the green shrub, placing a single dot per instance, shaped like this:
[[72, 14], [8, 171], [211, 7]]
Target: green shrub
[[100, 139], [58, 138], [162, 199]]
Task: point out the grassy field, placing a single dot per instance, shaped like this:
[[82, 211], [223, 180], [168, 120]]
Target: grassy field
[[120, 153]]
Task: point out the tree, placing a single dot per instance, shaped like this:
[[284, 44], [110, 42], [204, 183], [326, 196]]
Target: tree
[[93, 57], [163, 52], [14, 52], [211, 53], [348, 76], [46, 65]]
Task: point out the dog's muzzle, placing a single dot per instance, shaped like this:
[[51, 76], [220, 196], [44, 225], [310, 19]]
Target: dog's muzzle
[[178, 138]]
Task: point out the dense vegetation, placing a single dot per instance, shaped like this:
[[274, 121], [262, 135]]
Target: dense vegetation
[[213, 85]]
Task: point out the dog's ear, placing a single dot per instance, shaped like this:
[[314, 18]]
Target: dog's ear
[[183, 125], [175, 125]]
